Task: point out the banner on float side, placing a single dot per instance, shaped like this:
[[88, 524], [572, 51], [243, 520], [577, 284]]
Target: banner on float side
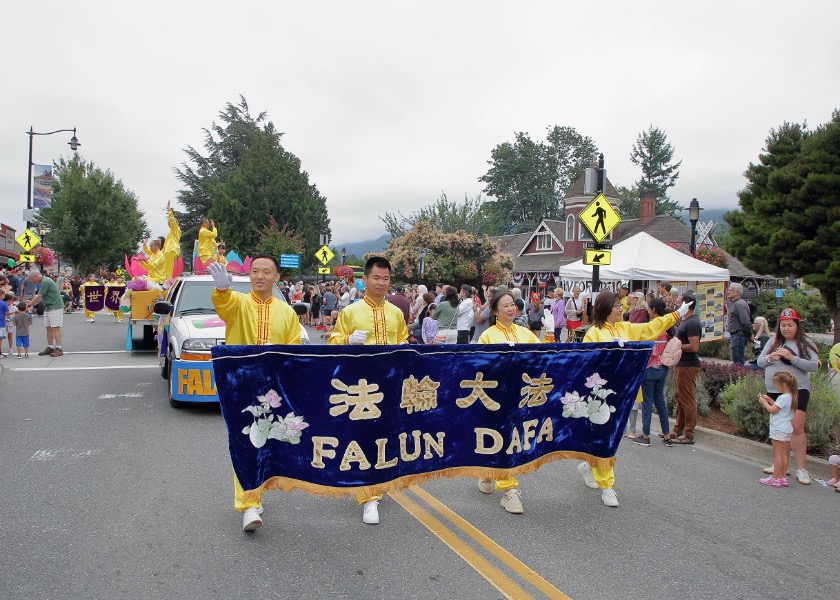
[[41, 186], [113, 294], [335, 420], [94, 297]]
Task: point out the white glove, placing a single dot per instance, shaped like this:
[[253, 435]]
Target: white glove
[[682, 310], [620, 342], [221, 277], [357, 337], [548, 320]]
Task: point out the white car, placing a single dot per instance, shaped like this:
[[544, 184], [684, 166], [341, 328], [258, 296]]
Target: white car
[[188, 328]]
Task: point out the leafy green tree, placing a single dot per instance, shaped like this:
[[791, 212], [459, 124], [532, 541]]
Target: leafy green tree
[[246, 178], [94, 219], [444, 214], [529, 179], [789, 217], [654, 154]]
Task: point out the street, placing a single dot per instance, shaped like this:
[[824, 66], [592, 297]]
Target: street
[[111, 493]]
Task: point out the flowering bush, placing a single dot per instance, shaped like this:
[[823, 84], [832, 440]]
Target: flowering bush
[[43, 256], [344, 271], [716, 376], [714, 255]]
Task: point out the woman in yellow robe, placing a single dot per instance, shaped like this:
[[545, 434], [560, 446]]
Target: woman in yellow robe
[[89, 315], [608, 326], [206, 240], [505, 331]]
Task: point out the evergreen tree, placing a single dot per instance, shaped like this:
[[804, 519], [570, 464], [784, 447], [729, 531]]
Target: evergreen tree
[[789, 222], [246, 179], [654, 154]]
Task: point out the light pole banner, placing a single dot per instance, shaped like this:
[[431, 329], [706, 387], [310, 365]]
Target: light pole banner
[[335, 420], [41, 186]]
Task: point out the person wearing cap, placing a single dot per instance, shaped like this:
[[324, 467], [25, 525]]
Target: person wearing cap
[[738, 322], [608, 326], [371, 321], [623, 292], [638, 312], [790, 350]]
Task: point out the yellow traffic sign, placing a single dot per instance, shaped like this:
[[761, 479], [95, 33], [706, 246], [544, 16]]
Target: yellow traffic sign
[[30, 258], [323, 270], [599, 217], [597, 257], [324, 254], [28, 240]]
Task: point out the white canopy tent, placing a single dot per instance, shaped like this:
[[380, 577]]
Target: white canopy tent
[[644, 258]]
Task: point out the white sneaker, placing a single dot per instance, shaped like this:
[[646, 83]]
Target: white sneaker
[[803, 477], [486, 486], [586, 471], [769, 470], [608, 497], [251, 518], [371, 512], [512, 501]]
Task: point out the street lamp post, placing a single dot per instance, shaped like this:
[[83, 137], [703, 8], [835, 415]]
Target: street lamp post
[[343, 256], [693, 216], [74, 145]]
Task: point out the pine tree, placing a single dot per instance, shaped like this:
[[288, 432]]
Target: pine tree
[[654, 155]]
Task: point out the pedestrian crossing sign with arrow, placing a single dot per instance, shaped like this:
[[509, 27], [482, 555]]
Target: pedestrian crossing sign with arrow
[[323, 270], [28, 240], [324, 254], [599, 217], [597, 257]]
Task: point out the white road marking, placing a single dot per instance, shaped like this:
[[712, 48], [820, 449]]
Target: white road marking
[[45, 455], [129, 395]]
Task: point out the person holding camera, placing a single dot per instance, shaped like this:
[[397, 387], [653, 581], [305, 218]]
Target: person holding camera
[[790, 350]]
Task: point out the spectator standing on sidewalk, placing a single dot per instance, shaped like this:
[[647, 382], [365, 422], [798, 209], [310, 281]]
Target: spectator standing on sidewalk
[[738, 322], [53, 311], [790, 350], [689, 331]]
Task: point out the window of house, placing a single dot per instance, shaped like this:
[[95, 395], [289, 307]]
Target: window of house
[[570, 228], [543, 241]]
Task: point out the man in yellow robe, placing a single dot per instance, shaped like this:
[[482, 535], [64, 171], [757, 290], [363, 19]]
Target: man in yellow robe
[[206, 240], [156, 263], [172, 244], [371, 321], [257, 318]]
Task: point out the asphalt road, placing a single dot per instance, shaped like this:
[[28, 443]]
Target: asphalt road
[[111, 493]]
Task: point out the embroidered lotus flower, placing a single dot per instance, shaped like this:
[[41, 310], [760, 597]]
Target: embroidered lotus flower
[[595, 381], [593, 405], [265, 427]]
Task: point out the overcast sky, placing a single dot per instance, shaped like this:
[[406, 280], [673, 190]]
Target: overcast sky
[[388, 104]]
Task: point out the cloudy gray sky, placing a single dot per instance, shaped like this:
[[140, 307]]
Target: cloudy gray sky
[[389, 103]]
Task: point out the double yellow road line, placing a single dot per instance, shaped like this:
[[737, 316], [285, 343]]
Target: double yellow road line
[[448, 535]]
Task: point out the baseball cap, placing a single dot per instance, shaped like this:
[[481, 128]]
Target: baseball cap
[[788, 314]]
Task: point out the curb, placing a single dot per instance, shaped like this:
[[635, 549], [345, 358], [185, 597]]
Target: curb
[[751, 450]]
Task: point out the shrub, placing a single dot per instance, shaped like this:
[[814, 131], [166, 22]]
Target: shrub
[[716, 349], [716, 375], [701, 394], [810, 307], [739, 401]]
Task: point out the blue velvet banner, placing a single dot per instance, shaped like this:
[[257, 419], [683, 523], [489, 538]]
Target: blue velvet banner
[[337, 420]]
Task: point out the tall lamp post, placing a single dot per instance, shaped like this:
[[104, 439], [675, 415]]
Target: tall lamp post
[[74, 145], [343, 256], [693, 216], [478, 240]]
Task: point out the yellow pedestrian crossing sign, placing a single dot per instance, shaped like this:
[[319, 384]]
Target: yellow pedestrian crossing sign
[[599, 217], [324, 254], [323, 270], [28, 240], [26, 258], [597, 257]]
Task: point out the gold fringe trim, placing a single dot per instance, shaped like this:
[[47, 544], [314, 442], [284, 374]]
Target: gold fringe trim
[[286, 484]]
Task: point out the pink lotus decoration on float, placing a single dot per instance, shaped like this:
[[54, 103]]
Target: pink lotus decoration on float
[[235, 263]]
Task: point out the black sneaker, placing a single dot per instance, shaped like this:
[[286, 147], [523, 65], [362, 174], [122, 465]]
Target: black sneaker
[[667, 442], [641, 440], [47, 352]]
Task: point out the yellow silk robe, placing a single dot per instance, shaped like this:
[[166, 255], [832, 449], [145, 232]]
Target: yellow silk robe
[[384, 323], [631, 332], [206, 243], [253, 321], [171, 246], [156, 265]]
